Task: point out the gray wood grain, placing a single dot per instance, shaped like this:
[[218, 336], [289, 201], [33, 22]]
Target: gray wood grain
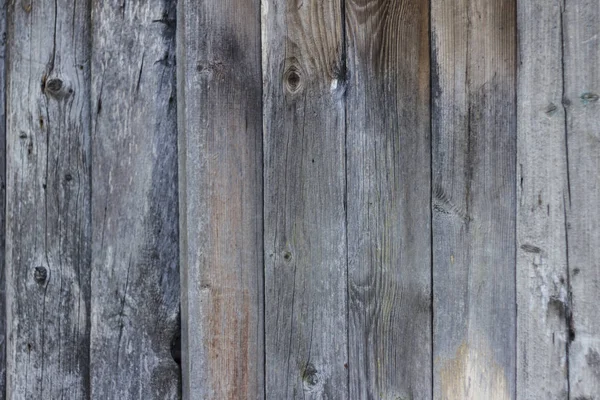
[[135, 260], [221, 207], [305, 234], [48, 200], [581, 43], [542, 194], [474, 193], [389, 214], [2, 196]]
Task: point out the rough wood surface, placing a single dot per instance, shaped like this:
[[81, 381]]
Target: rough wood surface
[[581, 35], [474, 150], [135, 271], [542, 194], [221, 207], [305, 234], [2, 195], [48, 200], [389, 214]]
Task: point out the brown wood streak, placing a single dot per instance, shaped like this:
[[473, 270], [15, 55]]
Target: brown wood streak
[[219, 108], [473, 122], [388, 172]]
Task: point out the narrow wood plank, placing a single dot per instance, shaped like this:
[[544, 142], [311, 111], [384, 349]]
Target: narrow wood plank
[[305, 235], [221, 207], [581, 43], [135, 252], [542, 281], [389, 214], [48, 200], [474, 210], [2, 196]]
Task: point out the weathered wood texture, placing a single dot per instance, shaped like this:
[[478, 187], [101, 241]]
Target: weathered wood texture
[[581, 35], [221, 198], [305, 230], [48, 200], [2, 195], [542, 195], [473, 153], [389, 214], [135, 271]]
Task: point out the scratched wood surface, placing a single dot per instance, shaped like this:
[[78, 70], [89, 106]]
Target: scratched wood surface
[[389, 246], [542, 197], [581, 31], [48, 200], [220, 193], [305, 231], [135, 278], [474, 151]]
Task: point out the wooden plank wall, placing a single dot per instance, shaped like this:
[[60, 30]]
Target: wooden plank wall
[[367, 199]]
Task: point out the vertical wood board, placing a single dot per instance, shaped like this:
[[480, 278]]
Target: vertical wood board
[[221, 192], [542, 195], [48, 200], [389, 214], [581, 36], [474, 193], [135, 275], [305, 229]]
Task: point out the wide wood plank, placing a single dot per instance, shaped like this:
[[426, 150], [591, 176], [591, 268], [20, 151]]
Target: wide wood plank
[[474, 150], [135, 258], [305, 235], [389, 214], [581, 43], [542, 193], [2, 195], [48, 200], [221, 207]]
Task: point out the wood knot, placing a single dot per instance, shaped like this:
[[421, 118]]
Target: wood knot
[[589, 98], [40, 275], [287, 256], [57, 88], [310, 375], [293, 79]]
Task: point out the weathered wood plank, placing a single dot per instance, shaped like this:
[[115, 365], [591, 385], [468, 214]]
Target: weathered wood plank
[[389, 214], [542, 281], [474, 151], [135, 271], [48, 193], [221, 207], [2, 195], [581, 35], [305, 235]]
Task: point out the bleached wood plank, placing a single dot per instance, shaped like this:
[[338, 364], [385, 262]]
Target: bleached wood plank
[[48, 200], [135, 270]]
